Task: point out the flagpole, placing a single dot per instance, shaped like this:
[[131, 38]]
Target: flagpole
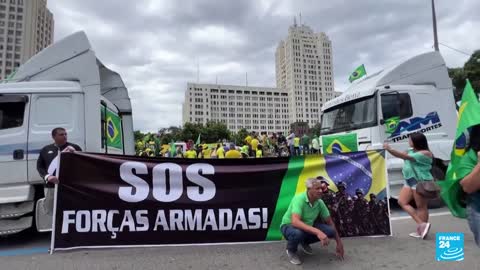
[[435, 35]]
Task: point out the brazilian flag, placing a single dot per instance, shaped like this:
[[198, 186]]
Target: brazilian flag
[[337, 144], [391, 124], [113, 129], [468, 116], [358, 73]]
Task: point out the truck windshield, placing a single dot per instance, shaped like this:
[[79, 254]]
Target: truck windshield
[[356, 114]]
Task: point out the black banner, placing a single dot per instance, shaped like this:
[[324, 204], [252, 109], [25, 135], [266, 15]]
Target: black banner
[[112, 200], [108, 200]]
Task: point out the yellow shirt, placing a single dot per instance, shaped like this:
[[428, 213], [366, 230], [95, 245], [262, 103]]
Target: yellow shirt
[[296, 142], [207, 153], [248, 139], [233, 154], [254, 144], [191, 154], [221, 152], [259, 153]]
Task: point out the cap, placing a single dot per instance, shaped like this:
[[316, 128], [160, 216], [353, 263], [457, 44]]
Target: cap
[[323, 180]]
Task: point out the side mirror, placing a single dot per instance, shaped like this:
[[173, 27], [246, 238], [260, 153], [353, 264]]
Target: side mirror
[[382, 122]]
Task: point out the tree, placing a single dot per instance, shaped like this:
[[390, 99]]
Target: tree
[[240, 136], [138, 135], [471, 71], [316, 129], [190, 131], [216, 131], [166, 135], [458, 80]]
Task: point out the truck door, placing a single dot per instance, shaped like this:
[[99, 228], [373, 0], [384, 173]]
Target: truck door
[[49, 111], [14, 118], [395, 107]]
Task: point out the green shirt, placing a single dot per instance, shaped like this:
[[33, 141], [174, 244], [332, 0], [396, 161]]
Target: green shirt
[[418, 169], [465, 166], [308, 213], [305, 140]]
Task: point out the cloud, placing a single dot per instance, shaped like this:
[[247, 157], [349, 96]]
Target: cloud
[[156, 45]]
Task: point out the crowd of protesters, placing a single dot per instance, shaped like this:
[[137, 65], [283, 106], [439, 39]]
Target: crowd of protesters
[[255, 145]]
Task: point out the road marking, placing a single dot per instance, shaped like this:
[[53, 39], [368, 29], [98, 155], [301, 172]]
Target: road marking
[[24, 251], [431, 215]]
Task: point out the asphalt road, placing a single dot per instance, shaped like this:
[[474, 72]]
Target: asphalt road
[[396, 252]]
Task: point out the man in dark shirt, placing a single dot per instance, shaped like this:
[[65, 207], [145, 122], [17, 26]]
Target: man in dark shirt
[[47, 164]]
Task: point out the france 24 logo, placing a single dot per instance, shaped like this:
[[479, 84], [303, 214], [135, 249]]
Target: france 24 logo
[[450, 246]]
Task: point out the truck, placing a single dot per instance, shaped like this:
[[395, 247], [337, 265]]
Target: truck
[[413, 96], [64, 85]]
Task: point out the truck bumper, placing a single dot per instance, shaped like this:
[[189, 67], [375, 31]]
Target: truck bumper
[[16, 208]]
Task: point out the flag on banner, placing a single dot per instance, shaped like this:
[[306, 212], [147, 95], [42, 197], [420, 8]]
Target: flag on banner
[[198, 140], [468, 116], [340, 143], [358, 73]]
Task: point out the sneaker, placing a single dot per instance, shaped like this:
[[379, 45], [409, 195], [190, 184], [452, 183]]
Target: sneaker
[[415, 235], [424, 228], [293, 257], [307, 249]]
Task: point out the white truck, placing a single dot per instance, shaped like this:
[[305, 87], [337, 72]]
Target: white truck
[[65, 85], [418, 92]]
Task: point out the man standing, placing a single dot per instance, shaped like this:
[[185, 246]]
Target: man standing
[[315, 145], [305, 144], [233, 152], [298, 223], [290, 139], [47, 164]]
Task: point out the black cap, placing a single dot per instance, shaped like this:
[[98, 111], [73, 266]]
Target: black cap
[[323, 180]]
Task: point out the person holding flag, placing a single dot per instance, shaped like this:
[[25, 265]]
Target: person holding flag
[[463, 172], [470, 162]]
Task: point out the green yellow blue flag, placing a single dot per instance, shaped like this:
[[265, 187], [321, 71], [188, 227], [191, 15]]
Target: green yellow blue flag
[[391, 124], [113, 129], [468, 116], [358, 73], [340, 143], [366, 171]]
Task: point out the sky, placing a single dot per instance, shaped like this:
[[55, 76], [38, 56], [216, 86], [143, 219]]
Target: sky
[[155, 45]]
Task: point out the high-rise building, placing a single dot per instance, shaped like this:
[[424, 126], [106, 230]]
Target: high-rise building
[[303, 63], [26, 27], [258, 109], [304, 75]]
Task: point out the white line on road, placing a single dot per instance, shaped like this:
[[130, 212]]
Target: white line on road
[[431, 215]]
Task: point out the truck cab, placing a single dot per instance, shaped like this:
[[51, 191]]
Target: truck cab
[[413, 96], [65, 85]]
